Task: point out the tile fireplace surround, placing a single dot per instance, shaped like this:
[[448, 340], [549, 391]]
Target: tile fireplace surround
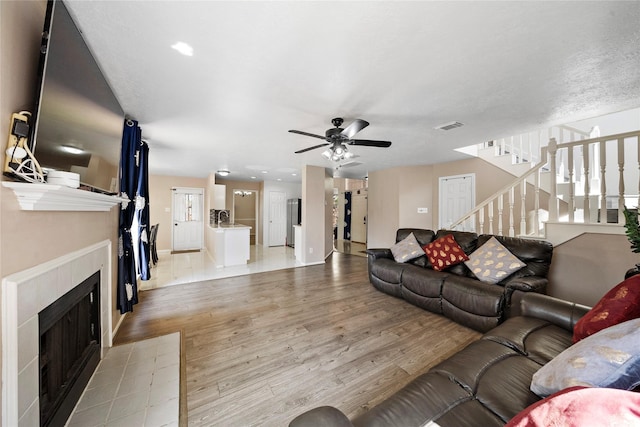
[[24, 295]]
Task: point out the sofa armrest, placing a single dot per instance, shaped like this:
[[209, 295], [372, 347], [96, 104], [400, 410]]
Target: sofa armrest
[[324, 416], [378, 253], [527, 284], [559, 312]]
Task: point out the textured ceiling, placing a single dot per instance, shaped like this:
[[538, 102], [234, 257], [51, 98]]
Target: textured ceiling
[[261, 68]]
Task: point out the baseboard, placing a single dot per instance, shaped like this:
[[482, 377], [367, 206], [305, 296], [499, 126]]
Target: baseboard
[[115, 330]]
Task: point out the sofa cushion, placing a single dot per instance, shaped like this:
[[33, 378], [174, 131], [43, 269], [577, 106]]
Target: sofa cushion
[[468, 241], [492, 262], [608, 358], [582, 406], [423, 237], [387, 270], [410, 407], [472, 303], [620, 304], [421, 281], [444, 253], [490, 372], [538, 339], [535, 253], [407, 249]]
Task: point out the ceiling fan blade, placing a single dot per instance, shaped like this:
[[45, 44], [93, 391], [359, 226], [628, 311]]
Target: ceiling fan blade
[[354, 128], [370, 143], [311, 148], [307, 134]]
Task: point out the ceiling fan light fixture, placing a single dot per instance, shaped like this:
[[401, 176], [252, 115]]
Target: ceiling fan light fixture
[[223, 172]]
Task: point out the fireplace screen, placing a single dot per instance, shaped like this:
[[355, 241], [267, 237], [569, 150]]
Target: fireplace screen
[[69, 349]]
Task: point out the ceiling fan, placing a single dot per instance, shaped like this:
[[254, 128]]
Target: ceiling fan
[[338, 138]]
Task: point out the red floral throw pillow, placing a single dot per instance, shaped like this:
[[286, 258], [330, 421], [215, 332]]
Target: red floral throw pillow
[[620, 304], [444, 252]]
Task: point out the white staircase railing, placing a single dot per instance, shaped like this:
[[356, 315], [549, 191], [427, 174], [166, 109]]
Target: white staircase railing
[[526, 147], [577, 189]]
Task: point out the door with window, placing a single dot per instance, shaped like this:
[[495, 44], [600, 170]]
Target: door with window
[[188, 219]]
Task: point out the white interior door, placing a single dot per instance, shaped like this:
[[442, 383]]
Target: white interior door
[[359, 218], [457, 197], [188, 219], [277, 218]]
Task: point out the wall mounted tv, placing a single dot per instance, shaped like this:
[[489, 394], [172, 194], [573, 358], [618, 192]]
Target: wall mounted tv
[[78, 122]]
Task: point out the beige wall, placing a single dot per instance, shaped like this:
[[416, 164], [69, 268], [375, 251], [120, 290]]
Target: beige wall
[[383, 208], [585, 268], [313, 214], [160, 203], [31, 238]]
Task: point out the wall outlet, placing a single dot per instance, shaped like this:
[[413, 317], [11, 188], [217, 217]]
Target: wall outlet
[[167, 210], [310, 250], [423, 210]]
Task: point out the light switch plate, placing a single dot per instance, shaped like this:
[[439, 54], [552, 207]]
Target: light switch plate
[[423, 210]]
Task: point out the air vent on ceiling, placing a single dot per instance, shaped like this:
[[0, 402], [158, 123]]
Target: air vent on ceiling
[[449, 126], [350, 164]]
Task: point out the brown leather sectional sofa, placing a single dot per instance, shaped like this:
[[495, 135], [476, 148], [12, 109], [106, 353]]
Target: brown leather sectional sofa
[[455, 292], [485, 384]]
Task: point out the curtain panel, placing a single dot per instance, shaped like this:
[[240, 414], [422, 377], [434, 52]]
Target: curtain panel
[[133, 186]]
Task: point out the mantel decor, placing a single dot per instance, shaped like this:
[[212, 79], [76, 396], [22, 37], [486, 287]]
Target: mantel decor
[[49, 197]]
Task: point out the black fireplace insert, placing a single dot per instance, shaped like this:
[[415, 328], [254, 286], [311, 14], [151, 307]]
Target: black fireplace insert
[[69, 350]]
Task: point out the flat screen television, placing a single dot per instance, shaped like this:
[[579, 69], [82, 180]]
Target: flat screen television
[[78, 122]]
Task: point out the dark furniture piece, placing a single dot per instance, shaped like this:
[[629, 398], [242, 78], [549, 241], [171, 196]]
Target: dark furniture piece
[[485, 384], [153, 234], [455, 292]]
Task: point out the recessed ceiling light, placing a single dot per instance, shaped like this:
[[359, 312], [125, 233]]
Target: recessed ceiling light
[[294, 174], [223, 172], [253, 177], [183, 48], [279, 179], [71, 150], [264, 172]]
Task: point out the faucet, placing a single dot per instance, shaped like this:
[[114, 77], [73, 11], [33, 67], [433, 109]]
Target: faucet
[[220, 214]]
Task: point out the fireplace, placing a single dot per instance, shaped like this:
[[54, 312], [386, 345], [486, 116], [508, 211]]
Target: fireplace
[[24, 296], [69, 349]]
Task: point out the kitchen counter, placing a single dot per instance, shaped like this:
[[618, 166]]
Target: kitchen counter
[[230, 244], [227, 225]]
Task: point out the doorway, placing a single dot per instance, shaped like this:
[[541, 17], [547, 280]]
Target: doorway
[[188, 224], [351, 222], [457, 196], [244, 211]]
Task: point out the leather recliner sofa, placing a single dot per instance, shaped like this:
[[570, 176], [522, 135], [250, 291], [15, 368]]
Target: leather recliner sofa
[[484, 384], [455, 292]]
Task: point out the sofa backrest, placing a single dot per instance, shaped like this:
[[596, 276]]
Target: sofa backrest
[[533, 252]]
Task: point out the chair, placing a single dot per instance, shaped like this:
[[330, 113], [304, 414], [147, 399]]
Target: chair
[[153, 233]]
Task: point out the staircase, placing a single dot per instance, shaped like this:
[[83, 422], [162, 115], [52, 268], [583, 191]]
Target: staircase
[[579, 195]]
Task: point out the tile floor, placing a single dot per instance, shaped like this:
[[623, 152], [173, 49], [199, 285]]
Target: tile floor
[[135, 384], [188, 267]]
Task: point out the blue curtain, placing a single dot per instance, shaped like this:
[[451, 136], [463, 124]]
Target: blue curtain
[[127, 293], [142, 211], [347, 215]]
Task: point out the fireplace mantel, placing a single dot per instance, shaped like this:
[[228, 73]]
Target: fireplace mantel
[[50, 197]]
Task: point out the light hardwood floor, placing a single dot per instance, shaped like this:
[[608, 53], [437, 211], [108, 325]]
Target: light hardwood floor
[[262, 348]]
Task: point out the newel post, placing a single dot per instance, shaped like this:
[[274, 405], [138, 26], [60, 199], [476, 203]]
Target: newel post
[[553, 199]]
